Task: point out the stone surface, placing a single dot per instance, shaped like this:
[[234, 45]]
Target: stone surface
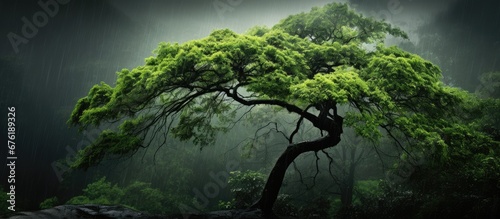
[[110, 212], [82, 211]]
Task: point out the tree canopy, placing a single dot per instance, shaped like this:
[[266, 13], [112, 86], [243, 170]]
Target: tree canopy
[[315, 65]]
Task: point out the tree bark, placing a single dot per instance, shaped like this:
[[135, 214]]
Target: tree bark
[[275, 179]]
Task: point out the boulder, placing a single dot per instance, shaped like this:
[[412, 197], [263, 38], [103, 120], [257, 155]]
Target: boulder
[[119, 212]]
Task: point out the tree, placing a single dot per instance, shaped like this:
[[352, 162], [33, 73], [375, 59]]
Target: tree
[[489, 86], [465, 186], [347, 159], [309, 65]]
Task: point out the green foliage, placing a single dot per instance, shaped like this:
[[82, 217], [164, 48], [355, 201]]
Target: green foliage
[[341, 86], [190, 83], [457, 175], [465, 186], [337, 23], [193, 90], [99, 192], [258, 31], [141, 196], [489, 121], [368, 188], [486, 111], [137, 195], [317, 208], [97, 98], [392, 203], [107, 142], [284, 206], [490, 85], [4, 204], [245, 187], [49, 203]]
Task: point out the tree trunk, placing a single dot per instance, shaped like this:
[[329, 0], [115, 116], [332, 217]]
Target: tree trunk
[[275, 179], [347, 187]]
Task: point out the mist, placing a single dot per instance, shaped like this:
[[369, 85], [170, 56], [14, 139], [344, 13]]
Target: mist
[[86, 42]]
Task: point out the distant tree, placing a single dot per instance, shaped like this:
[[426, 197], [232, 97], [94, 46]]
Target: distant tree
[[466, 185], [489, 86], [346, 160], [308, 65], [487, 110]]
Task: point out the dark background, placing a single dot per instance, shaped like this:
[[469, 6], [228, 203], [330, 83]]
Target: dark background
[[88, 41]]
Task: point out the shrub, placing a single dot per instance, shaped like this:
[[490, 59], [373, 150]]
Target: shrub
[[49, 203]]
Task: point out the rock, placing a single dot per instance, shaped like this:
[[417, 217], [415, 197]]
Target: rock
[[83, 211], [226, 214], [119, 212]]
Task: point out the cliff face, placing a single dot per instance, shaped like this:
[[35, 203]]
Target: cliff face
[[118, 212]]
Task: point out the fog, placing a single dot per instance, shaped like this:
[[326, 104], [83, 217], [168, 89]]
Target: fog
[[86, 42]]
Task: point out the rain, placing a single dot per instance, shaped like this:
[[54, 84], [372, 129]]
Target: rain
[[53, 52]]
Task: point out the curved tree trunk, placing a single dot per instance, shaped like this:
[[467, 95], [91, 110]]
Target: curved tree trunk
[[275, 179]]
